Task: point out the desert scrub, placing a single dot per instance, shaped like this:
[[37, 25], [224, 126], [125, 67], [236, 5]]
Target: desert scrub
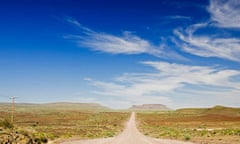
[[21, 137], [40, 137], [110, 134], [193, 126], [66, 124], [187, 137], [6, 123]]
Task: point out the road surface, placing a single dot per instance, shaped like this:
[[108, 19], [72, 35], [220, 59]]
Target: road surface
[[130, 135]]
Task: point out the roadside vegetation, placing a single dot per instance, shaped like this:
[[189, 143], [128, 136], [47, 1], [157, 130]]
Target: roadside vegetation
[[55, 125], [207, 125]]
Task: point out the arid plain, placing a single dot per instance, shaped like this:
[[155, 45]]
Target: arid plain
[[79, 122]]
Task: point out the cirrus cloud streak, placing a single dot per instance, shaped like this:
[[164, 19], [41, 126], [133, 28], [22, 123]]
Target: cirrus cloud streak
[[169, 79], [126, 43]]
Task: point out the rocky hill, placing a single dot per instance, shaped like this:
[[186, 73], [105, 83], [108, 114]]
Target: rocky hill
[[157, 107]]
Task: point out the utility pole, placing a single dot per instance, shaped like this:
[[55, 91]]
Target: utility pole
[[13, 98]]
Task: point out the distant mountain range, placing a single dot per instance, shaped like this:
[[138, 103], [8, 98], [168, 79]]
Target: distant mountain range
[[68, 106], [157, 107], [54, 106], [76, 106]]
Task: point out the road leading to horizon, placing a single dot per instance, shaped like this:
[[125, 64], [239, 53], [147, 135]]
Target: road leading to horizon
[[130, 135]]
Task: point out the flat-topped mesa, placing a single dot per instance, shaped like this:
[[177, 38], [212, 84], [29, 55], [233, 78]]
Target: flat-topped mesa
[[157, 107]]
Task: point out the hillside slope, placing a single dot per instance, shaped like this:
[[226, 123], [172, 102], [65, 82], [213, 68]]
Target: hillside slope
[[54, 106], [219, 110]]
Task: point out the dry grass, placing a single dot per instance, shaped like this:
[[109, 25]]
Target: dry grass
[[214, 125], [56, 124]]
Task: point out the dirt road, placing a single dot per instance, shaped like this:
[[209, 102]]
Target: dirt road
[[129, 136]]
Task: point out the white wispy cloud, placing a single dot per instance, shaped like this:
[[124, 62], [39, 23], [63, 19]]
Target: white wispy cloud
[[208, 46], [169, 79], [73, 21], [178, 17], [76, 23], [225, 13], [126, 43], [199, 75]]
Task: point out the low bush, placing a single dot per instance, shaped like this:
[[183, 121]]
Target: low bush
[[187, 137], [6, 123]]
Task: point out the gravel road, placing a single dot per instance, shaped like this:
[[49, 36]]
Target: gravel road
[[129, 136]]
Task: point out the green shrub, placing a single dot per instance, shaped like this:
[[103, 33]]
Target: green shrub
[[44, 139], [40, 138], [6, 123], [90, 135], [110, 134], [237, 132], [187, 137]]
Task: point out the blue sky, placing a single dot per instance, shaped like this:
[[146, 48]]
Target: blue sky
[[119, 53]]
